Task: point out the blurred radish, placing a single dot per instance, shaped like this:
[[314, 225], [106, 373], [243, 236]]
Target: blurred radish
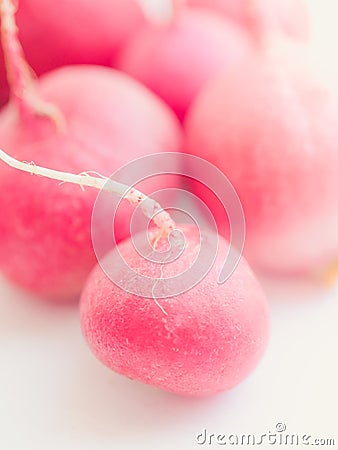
[[73, 118], [54, 34], [289, 16], [271, 125], [178, 55]]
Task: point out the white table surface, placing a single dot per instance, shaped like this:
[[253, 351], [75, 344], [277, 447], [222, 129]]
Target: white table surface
[[55, 395]]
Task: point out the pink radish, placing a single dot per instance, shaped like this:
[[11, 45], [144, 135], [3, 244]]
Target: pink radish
[[54, 34], [274, 122], [198, 341], [290, 16], [176, 59], [90, 117]]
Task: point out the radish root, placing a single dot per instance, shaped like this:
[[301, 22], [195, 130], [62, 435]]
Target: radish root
[[21, 77], [150, 208]]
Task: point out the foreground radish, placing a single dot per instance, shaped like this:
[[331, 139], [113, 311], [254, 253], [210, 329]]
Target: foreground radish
[[177, 58], [197, 341], [274, 123], [290, 16], [90, 117], [54, 34]]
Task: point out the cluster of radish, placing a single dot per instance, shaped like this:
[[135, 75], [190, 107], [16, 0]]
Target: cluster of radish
[[210, 79]]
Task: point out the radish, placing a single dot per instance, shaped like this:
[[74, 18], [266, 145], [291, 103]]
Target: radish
[[289, 16], [197, 343], [199, 340], [274, 122], [55, 34], [177, 57], [72, 118]]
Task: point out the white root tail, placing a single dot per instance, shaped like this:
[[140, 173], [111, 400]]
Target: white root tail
[[150, 208]]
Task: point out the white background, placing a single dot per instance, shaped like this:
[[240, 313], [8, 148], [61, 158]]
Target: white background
[[55, 395]]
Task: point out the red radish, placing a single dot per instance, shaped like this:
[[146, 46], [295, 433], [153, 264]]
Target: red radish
[[54, 34], [290, 16], [198, 343], [199, 340], [271, 125], [95, 118], [176, 59]]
